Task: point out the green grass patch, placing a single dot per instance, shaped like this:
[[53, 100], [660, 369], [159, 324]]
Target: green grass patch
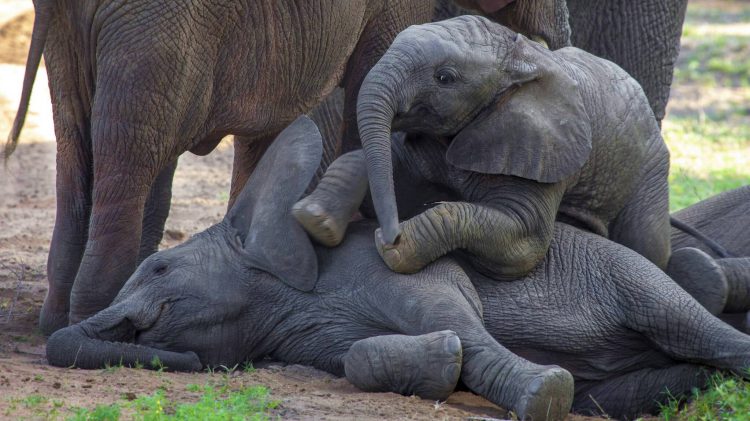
[[715, 48], [712, 14], [713, 60], [247, 403], [727, 398], [707, 157]]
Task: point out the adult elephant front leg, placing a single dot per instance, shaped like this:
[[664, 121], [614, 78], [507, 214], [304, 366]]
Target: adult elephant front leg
[[124, 171], [373, 43]]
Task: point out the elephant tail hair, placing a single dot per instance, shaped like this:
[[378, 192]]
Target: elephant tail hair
[[713, 245], [42, 16]]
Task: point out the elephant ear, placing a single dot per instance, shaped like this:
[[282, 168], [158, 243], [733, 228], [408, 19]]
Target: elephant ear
[[538, 129], [273, 240]]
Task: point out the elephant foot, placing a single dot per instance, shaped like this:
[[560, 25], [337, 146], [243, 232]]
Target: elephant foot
[[427, 365], [323, 226], [548, 396], [699, 274], [51, 319], [402, 257]]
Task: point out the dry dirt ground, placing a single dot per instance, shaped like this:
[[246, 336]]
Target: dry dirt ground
[[27, 212]]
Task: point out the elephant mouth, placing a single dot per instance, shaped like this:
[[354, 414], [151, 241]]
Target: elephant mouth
[[149, 334]]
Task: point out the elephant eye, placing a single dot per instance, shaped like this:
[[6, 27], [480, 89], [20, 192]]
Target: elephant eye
[[161, 269], [445, 76]]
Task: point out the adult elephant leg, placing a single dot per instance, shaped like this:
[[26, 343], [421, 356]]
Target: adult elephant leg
[[392, 18], [630, 395], [156, 212], [247, 154], [326, 212], [121, 186], [648, 55], [69, 236], [426, 365], [329, 117]]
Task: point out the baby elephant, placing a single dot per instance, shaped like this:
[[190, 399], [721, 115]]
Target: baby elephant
[[253, 285], [530, 134]]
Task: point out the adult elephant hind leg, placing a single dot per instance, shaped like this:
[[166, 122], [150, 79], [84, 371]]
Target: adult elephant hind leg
[[156, 212], [629, 396], [427, 365], [393, 17], [326, 212], [247, 154], [73, 187]]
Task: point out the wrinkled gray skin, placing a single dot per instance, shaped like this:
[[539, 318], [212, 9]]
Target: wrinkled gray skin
[[641, 36], [712, 217], [134, 84], [611, 29], [621, 327], [523, 133]]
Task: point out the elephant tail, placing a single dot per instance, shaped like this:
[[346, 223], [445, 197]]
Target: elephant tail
[[43, 9], [713, 245]]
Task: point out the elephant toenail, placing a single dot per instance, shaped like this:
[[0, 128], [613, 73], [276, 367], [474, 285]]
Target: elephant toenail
[[453, 344]]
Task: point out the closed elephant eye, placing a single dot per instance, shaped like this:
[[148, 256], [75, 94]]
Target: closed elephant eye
[[446, 76], [160, 269]]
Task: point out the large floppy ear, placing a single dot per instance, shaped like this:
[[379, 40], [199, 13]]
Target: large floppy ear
[[538, 129], [273, 240]]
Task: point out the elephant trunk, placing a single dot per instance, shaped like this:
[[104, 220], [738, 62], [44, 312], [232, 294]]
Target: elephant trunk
[[377, 106], [101, 340]]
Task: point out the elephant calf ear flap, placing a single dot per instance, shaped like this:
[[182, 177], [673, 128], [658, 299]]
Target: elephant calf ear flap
[[538, 130], [275, 242]]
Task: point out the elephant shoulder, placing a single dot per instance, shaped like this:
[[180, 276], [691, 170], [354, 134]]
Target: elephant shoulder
[[605, 76]]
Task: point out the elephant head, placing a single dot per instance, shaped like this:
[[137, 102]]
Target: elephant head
[[542, 20], [180, 303], [507, 104]]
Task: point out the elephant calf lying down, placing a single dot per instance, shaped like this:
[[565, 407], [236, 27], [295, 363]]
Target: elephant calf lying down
[[253, 285]]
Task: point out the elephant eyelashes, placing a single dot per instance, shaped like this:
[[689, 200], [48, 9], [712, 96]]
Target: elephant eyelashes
[[445, 76]]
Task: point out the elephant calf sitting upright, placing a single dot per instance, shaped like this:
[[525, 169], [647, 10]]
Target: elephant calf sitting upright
[[533, 135], [253, 285]]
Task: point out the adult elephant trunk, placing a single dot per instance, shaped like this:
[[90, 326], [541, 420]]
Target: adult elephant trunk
[[377, 105], [103, 340]]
